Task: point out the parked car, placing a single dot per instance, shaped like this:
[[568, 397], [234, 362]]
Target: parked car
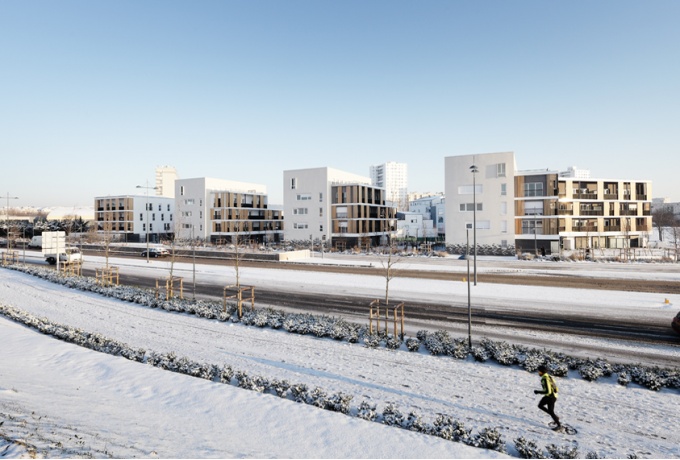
[[156, 252], [676, 323]]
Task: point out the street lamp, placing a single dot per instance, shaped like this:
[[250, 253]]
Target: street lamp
[[474, 171], [147, 216], [7, 220], [467, 257]]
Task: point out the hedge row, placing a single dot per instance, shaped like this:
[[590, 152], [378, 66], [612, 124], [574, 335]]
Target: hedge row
[[437, 343], [444, 426]]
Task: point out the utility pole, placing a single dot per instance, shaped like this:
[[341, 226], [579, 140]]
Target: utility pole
[[474, 171], [7, 219]]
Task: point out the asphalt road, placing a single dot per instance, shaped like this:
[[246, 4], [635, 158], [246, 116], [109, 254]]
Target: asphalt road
[[646, 331]]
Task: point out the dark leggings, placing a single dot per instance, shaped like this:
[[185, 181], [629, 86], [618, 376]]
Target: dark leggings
[[547, 404]]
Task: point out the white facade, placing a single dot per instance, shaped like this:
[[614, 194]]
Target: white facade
[[307, 201], [493, 194], [165, 181], [193, 202], [414, 225], [393, 177], [431, 208], [133, 217]]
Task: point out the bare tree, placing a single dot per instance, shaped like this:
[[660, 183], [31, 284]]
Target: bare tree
[[663, 218]]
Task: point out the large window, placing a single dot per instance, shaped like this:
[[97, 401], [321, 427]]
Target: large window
[[533, 208], [464, 207], [533, 189], [304, 196]]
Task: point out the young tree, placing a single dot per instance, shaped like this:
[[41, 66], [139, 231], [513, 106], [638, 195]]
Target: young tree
[[663, 218]]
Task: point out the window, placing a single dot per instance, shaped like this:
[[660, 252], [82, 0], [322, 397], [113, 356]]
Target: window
[[153, 216], [321, 228], [470, 207], [500, 170], [143, 227], [504, 189], [504, 226], [304, 196], [189, 201], [533, 208], [320, 197], [504, 208], [300, 226], [181, 190], [186, 213], [151, 227], [470, 190], [533, 189], [293, 183], [320, 212], [168, 208], [300, 211], [159, 207], [162, 216], [141, 216], [200, 214]]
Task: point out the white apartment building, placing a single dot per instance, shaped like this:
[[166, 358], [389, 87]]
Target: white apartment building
[[194, 200], [326, 204], [556, 211], [165, 181], [432, 208], [485, 196], [135, 218], [393, 177], [414, 225]]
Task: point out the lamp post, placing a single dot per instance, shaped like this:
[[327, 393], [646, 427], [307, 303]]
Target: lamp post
[[7, 219], [147, 216], [467, 257], [474, 171]]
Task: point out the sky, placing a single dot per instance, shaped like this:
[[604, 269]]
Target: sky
[[96, 95]]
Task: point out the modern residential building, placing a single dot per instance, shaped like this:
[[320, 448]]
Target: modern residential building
[[224, 211], [415, 225], [135, 218], [165, 181], [562, 210], [485, 197], [336, 207], [393, 177], [432, 208]]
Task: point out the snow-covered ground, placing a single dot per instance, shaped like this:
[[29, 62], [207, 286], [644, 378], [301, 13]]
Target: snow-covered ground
[[54, 391]]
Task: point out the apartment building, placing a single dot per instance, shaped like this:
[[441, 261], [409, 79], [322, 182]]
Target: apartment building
[[393, 177], [568, 210], [433, 209], [224, 211], [480, 188], [135, 218], [337, 207]]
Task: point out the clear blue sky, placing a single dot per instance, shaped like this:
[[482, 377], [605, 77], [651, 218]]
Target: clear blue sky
[[95, 94]]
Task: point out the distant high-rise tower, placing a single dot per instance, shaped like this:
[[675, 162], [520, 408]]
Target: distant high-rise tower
[[165, 181], [393, 177]]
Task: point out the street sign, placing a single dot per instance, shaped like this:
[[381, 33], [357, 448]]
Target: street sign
[[52, 242]]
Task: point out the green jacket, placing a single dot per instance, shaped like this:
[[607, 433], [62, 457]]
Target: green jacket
[[548, 384]]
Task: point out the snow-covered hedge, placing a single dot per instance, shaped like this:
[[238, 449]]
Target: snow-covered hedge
[[436, 343], [443, 426]]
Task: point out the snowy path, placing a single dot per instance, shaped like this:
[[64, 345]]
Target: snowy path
[[612, 420]]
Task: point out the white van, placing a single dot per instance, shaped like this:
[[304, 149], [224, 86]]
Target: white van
[[70, 255], [36, 242]]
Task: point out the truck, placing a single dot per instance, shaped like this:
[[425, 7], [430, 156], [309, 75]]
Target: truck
[[68, 255], [36, 242]]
